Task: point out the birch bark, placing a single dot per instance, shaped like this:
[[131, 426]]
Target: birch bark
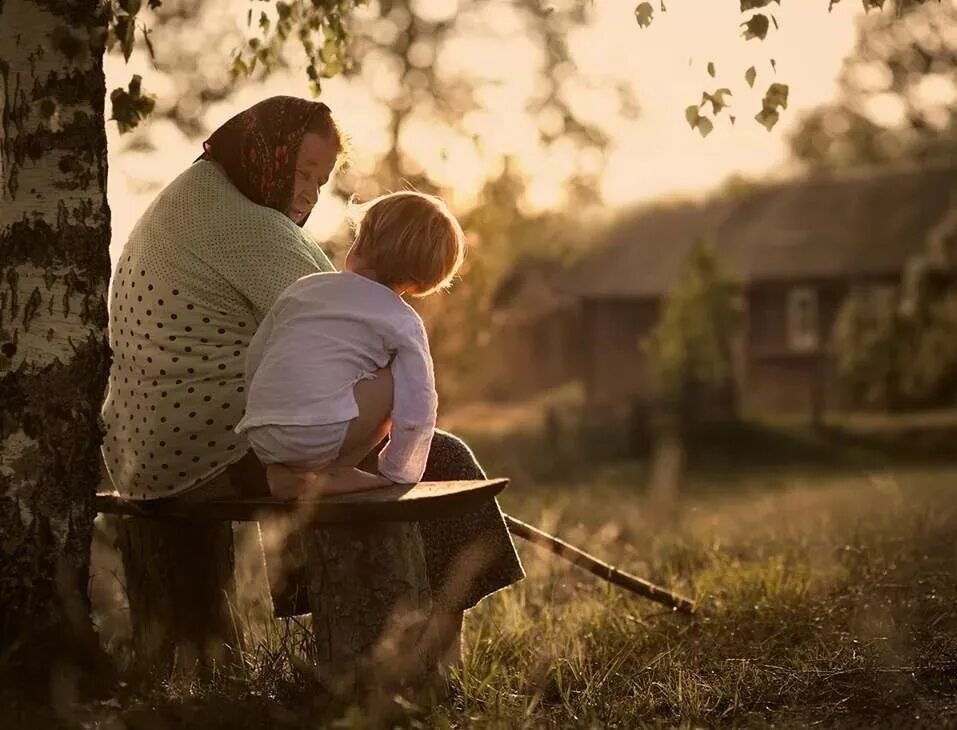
[[54, 353]]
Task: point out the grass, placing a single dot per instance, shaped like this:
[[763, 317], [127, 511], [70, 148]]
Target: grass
[[825, 601], [828, 594]]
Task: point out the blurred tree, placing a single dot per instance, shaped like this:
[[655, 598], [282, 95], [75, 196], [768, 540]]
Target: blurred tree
[[896, 93], [895, 348], [412, 63], [192, 39], [896, 105], [691, 349], [869, 348], [500, 234]]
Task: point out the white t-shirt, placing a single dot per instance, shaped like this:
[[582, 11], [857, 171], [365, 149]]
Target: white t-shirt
[[324, 334]]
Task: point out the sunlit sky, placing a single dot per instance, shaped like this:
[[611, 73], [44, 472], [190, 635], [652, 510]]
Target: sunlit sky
[[653, 155]]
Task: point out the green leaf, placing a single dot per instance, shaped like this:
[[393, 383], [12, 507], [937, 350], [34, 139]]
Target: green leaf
[[756, 27], [239, 68], [750, 75], [768, 117], [644, 14], [711, 69], [130, 7], [777, 96], [331, 68], [125, 28], [329, 52], [692, 115], [696, 121], [718, 100], [131, 105]]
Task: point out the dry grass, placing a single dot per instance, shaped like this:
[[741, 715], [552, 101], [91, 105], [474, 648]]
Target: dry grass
[[828, 598], [825, 601]]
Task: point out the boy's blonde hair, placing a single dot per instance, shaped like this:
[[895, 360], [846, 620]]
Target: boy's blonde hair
[[409, 237]]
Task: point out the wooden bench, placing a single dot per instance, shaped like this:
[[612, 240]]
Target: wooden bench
[[367, 583]]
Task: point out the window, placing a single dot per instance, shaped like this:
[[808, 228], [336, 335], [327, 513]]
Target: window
[[802, 319]]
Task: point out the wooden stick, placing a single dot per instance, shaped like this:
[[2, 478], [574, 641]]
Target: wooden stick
[[595, 566]]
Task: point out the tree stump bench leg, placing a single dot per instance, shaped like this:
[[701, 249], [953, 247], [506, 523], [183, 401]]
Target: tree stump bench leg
[[371, 605], [181, 589]]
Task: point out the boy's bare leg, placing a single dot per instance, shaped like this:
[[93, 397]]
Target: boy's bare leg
[[374, 400]]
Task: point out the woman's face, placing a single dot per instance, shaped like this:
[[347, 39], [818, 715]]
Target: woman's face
[[314, 164]]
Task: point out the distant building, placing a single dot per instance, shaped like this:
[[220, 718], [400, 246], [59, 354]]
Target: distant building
[[796, 248], [534, 328]]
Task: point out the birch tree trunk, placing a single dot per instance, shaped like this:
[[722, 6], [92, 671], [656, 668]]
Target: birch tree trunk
[[54, 354]]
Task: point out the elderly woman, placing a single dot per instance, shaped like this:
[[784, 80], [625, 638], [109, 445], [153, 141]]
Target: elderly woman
[[200, 270]]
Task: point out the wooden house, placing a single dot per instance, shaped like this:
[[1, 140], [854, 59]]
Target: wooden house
[[796, 248]]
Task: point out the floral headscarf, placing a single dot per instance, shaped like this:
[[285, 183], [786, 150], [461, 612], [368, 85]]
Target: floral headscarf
[[257, 148]]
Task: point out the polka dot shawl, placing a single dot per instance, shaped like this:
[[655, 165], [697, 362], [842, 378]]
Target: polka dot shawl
[[198, 273]]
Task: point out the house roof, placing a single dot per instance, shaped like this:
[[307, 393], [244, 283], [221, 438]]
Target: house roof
[[858, 224]]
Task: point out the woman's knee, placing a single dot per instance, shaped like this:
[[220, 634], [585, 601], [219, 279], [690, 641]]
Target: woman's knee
[[451, 458]]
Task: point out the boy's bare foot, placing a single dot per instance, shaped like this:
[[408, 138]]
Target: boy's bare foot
[[344, 480], [286, 482]]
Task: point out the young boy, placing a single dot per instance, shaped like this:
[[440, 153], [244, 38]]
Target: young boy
[[341, 359]]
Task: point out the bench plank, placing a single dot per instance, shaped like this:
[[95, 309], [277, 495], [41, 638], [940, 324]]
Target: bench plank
[[397, 503]]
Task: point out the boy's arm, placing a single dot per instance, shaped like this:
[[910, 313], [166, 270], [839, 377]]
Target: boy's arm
[[414, 408]]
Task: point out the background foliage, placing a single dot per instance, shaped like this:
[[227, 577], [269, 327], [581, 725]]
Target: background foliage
[[691, 347]]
